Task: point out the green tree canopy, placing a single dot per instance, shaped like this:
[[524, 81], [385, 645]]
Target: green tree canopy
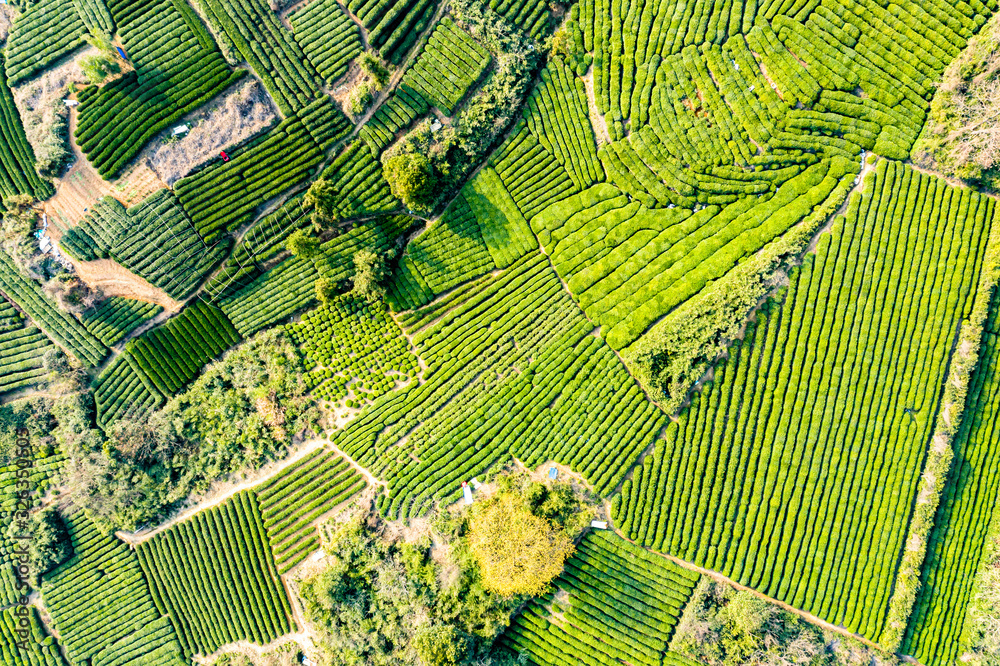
[[411, 178]]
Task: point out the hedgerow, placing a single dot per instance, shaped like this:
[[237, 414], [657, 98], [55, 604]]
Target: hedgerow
[[215, 577], [99, 597], [177, 69], [293, 501], [17, 161], [327, 36], [541, 375], [777, 530], [57, 324], [620, 603], [116, 317], [393, 27], [450, 63]]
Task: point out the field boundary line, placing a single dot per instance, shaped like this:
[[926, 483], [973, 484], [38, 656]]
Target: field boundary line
[[721, 578], [276, 468]]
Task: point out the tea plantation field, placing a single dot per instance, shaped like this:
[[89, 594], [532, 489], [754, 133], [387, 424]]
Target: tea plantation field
[[688, 254]]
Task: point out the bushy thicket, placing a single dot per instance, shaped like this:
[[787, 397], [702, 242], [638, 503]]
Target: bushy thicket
[[381, 598], [243, 411], [722, 626], [961, 137]]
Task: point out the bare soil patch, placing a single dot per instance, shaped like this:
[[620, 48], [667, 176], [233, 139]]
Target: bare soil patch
[[82, 186], [240, 113], [596, 119], [113, 279]]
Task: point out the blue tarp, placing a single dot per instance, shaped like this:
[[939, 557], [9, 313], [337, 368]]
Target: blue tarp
[[121, 52]]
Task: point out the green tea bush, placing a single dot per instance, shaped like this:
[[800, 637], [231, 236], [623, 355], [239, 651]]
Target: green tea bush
[[17, 160], [393, 27], [271, 51], [450, 63], [45, 33], [294, 500], [540, 373], [99, 597], [37, 647], [178, 68], [328, 37], [154, 239], [116, 317], [215, 576], [798, 357], [58, 325], [620, 603], [353, 349], [21, 358]]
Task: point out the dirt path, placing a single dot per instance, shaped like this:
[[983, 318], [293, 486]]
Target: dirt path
[[954, 182], [597, 122], [76, 193], [224, 490], [252, 650]]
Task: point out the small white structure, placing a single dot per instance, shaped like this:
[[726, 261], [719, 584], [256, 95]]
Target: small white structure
[[179, 130], [599, 524], [436, 125], [70, 102], [475, 483], [467, 492], [46, 245]]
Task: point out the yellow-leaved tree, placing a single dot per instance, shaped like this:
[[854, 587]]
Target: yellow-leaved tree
[[517, 551]]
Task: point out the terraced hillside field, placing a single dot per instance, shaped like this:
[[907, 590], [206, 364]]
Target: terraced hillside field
[[708, 286]]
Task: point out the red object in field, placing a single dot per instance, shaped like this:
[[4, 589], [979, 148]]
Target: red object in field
[[225, 157]]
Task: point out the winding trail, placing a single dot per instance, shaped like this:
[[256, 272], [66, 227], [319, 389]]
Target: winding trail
[[223, 491]]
